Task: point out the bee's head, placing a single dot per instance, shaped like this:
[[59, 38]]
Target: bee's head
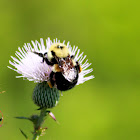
[[58, 49]]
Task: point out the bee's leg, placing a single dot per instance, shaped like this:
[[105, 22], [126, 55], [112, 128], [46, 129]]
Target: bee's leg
[[47, 61], [50, 85], [45, 53], [78, 67], [39, 54], [44, 58], [77, 64]]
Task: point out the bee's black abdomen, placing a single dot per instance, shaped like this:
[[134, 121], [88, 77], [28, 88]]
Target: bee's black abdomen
[[62, 83]]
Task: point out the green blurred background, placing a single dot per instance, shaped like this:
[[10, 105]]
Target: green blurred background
[[108, 31]]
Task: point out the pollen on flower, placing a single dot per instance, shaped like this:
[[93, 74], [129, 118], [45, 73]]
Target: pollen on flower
[[31, 66]]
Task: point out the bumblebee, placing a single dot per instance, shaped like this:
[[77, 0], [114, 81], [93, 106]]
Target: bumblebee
[[65, 71]]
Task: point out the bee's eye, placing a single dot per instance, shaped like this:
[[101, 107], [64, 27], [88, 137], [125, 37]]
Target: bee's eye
[[61, 47]]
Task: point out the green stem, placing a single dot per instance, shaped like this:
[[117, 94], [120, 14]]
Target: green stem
[[36, 137], [37, 126]]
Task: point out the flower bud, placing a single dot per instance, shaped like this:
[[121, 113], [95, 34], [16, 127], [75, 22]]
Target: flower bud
[[44, 96]]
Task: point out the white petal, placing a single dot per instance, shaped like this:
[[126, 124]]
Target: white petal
[[30, 66]]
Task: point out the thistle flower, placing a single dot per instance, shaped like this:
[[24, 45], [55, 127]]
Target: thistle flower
[[30, 66]]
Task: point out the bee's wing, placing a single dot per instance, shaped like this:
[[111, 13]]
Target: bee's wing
[[69, 71]]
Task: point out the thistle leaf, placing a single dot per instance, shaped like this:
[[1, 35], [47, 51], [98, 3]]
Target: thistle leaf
[[22, 118], [24, 134]]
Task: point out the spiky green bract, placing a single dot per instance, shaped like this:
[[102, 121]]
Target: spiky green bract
[[44, 96]]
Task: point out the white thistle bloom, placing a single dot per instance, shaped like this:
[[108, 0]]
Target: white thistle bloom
[[30, 65]]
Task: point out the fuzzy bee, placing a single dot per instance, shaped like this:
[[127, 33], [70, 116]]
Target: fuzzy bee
[[65, 71]]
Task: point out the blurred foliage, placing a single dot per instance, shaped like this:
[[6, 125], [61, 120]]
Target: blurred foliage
[[105, 108]]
